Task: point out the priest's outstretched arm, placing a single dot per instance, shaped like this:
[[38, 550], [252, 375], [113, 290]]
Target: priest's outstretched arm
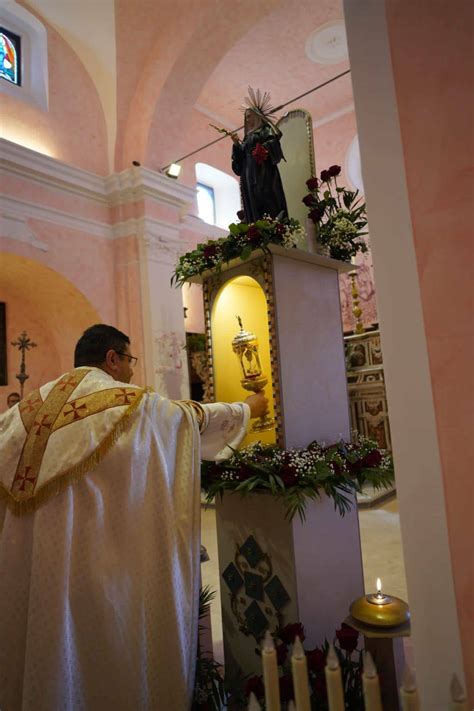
[[224, 425]]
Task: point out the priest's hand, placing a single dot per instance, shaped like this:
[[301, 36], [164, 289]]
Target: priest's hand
[[258, 404], [235, 138]]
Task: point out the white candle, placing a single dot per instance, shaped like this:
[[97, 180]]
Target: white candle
[[370, 683], [458, 697], [253, 703], [299, 667], [270, 674], [291, 706], [408, 692], [334, 681]]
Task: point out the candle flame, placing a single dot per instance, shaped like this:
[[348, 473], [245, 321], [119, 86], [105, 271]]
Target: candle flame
[[379, 585]]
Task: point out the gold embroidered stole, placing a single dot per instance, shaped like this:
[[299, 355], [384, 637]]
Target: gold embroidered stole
[[41, 419]]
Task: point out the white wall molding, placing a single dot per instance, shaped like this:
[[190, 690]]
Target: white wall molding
[[117, 189], [22, 161], [24, 209], [138, 182], [16, 228]]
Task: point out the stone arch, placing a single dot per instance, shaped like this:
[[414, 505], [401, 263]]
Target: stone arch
[[53, 312]]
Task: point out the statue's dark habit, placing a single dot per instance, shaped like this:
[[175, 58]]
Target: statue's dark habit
[[255, 160]]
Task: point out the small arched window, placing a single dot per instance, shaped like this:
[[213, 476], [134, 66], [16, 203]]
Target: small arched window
[[10, 56], [214, 187], [206, 203]]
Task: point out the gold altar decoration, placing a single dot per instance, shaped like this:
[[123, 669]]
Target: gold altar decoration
[[356, 309], [380, 610], [245, 346]]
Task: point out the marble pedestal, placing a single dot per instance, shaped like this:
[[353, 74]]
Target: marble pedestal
[[275, 572]]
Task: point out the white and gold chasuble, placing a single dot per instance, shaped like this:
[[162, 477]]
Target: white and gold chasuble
[[99, 544]]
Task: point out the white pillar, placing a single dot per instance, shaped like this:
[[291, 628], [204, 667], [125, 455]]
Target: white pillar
[[163, 311], [435, 629]]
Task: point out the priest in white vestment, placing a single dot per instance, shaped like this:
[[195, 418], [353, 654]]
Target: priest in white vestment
[[100, 535]]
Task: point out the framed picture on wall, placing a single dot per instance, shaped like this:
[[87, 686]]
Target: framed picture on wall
[[3, 344]]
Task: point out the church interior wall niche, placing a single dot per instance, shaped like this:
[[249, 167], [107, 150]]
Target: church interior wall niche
[[242, 296]]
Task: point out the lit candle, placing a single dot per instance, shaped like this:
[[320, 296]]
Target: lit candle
[[253, 703], [458, 697], [370, 683], [408, 692], [334, 681], [299, 667], [270, 674]]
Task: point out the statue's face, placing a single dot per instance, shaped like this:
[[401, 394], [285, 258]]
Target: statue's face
[[252, 121]]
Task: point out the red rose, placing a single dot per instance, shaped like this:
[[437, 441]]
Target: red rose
[[334, 171], [354, 467], [312, 183], [291, 631], [316, 213], [253, 235], [372, 459], [316, 660], [288, 475], [308, 200], [255, 684], [210, 251], [347, 637], [245, 472], [260, 154], [325, 176], [286, 688], [282, 653]]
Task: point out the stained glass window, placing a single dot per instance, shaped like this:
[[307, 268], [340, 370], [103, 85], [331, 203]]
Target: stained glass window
[[10, 56]]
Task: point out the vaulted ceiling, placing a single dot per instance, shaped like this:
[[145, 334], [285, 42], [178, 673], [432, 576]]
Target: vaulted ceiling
[[154, 62]]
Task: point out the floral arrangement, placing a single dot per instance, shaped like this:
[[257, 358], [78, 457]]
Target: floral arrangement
[[338, 214], [297, 476], [242, 239], [350, 661]]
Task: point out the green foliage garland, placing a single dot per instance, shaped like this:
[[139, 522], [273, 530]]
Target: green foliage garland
[[297, 476], [241, 241]]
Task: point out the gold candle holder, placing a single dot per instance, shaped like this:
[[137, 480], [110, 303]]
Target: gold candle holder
[[380, 610], [245, 346], [356, 309]]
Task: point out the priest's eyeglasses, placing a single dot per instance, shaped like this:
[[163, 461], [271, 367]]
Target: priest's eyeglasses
[[131, 359]]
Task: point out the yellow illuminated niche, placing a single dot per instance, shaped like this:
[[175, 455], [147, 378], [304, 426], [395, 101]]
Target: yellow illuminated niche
[[244, 297]]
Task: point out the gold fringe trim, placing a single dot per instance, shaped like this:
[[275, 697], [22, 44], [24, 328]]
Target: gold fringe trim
[[61, 481]]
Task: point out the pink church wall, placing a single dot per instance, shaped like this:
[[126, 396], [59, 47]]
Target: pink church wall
[[73, 129], [52, 311], [430, 48]]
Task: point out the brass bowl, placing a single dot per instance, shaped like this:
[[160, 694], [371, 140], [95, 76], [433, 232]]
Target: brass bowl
[[392, 613]]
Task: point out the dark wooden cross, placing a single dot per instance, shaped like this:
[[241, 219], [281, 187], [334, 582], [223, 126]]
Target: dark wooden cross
[[23, 343]]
